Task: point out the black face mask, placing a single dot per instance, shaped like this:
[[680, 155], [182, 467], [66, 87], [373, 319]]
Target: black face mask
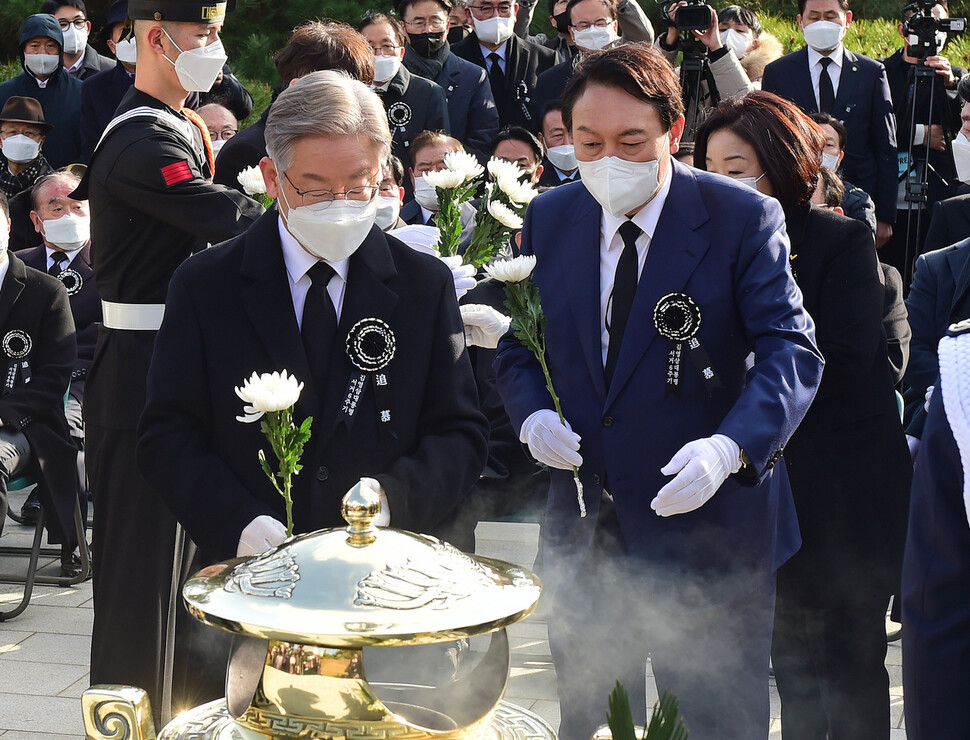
[[562, 22], [427, 44], [456, 34]]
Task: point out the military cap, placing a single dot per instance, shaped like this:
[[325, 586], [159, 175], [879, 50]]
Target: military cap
[[180, 11]]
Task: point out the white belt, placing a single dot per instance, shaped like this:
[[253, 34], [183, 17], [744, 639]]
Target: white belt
[[132, 316]]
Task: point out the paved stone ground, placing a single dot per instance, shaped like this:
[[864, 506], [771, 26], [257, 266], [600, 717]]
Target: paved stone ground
[[44, 652]]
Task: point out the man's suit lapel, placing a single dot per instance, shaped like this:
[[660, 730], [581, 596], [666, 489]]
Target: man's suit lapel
[[675, 251], [848, 86], [579, 260], [12, 287], [802, 80], [366, 296], [82, 263], [269, 304], [516, 60]]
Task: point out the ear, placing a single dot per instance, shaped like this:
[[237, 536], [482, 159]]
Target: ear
[[111, 46], [838, 210], [89, 27], [676, 131], [154, 38], [537, 175], [798, 20], [401, 191], [400, 52], [848, 17], [35, 220], [270, 177]]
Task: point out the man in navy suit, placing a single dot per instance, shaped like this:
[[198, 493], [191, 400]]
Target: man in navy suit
[[825, 76], [936, 566], [657, 283]]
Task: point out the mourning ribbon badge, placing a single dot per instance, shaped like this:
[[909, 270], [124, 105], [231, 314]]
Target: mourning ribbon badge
[[522, 98], [16, 346], [370, 347], [72, 280], [678, 319]]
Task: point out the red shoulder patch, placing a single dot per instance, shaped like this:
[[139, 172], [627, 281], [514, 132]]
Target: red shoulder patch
[[176, 172]]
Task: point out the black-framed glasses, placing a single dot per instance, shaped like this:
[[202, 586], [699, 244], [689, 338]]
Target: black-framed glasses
[[385, 50], [487, 10], [584, 25], [435, 23], [78, 23], [361, 194]]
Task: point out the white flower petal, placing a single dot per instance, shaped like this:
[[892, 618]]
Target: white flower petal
[[251, 180], [504, 215], [513, 270], [501, 168], [444, 179], [268, 392], [465, 163], [520, 193]]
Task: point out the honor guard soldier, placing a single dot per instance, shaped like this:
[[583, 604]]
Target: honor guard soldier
[[153, 204]]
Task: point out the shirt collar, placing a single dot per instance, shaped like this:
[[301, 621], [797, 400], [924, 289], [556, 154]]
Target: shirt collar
[[298, 261], [426, 214], [500, 50], [78, 64], [646, 218], [835, 56], [4, 267], [70, 255]]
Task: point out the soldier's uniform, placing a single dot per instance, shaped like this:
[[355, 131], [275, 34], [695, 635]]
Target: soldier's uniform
[[152, 205]]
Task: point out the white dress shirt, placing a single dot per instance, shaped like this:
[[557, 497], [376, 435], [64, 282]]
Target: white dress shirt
[[834, 70], [426, 215], [70, 257], [501, 55], [611, 247], [298, 262]]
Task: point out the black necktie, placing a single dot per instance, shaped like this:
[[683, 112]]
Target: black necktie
[[624, 288], [826, 93], [319, 322], [496, 77], [55, 269]]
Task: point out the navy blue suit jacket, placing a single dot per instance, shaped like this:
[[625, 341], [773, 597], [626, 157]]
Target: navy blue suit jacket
[[936, 581], [725, 246], [864, 104]]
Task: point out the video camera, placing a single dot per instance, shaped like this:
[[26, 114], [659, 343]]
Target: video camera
[[695, 15], [925, 28]]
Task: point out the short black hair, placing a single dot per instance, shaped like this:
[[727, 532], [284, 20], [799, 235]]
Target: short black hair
[[829, 120], [612, 7], [740, 15], [50, 6], [843, 6], [405, 4], [517, 133], [553, 105], [372, 17], [395, 168], [963, 88]]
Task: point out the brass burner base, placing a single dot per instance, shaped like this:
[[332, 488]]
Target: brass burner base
[[212, 722]]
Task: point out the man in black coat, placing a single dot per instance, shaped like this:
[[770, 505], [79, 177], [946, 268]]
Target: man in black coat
[[38, 347], [253, 305], [81, 60], [513, 64]]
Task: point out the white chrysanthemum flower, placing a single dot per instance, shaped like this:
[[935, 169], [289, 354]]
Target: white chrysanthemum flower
[[251, 180], [520, 193], [444, 179], [504, 215], [268, 392], [513, 270], [501, 169], [465, 163]]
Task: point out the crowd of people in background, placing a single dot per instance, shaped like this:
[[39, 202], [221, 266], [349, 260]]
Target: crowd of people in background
[[832, 267]]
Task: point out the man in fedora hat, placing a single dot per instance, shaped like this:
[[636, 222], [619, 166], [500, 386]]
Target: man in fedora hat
[[153, 203], [22, 132]]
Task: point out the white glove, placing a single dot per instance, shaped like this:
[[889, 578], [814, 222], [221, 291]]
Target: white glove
[[463, 275], [384, 518], [261, 534], [927, 398], [701, 467], [484, 326], [550, 442]]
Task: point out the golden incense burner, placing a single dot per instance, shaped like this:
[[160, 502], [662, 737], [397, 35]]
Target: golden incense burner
[[353, 633]]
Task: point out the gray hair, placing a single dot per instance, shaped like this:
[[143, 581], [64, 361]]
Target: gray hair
[[325, 103], [63, 176]]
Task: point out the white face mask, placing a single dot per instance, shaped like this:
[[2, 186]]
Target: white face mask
[[388, 209], [595, 38], [197, 69], [4, 236], [217, 144], [425, 194], [961, 157], [751, 182], [42, 65], [494, 30], [562, 157], [823, 35], [621, 186], [70, 232], [75, 39], [127, 51], [830, 160], [334, 232], [385, 67], [736, 41], [20, 149]]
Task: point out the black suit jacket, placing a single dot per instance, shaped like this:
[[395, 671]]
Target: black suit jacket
[[230, 313], [35, 305], [864, 104], [85, 306], [524, 62], [550, 87], [243, 150], [851, 513], [549, 178], [950, 223]]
